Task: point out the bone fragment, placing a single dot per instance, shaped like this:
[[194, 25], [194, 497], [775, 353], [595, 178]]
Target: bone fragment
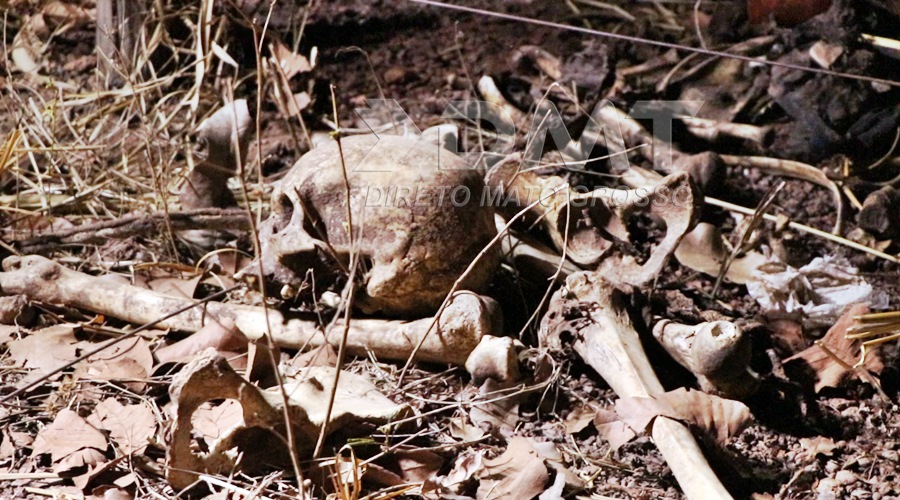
[[713, 130], [716, 352], [590, 312], [495, 358], [529, 256], [583, 241], [462, 325]]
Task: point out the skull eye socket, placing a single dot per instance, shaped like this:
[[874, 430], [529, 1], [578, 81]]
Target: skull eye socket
[[285, 209]]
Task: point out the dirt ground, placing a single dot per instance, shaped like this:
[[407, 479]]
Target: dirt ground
[[85, 157]]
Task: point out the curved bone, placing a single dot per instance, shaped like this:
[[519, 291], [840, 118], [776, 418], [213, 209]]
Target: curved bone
[[605, 338], [462, 325], [585, 241], [716, 352]]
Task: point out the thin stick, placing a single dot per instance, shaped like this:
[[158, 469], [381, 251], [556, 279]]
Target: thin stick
[[354, 259], [803, 228], [667, 45]]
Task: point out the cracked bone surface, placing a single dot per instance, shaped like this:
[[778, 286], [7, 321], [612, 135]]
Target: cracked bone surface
[[716, 352], [462, 325], [585, 225], [418, 221], [589, 313]]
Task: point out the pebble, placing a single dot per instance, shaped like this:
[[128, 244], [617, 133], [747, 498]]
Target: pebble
[[831, 466], [845, 477], [395, 74], [825, 489]]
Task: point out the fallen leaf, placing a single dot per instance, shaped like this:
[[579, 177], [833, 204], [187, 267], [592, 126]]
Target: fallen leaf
[[176, 287], [214, 420], [128, 360], [828, 371], [289, 62], [130, 426], [467, 466], [68, 434], [518, 473], [47, 349], [222, 336], [417, 466], [819, 445], [719, 418], [324, 355], [579, 418]]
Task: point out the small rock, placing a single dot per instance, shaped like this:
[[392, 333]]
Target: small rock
[[845, 477], [395, 74], [825, 489]]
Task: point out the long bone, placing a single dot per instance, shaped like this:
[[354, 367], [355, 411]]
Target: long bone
[[588, 314], [461, 327]]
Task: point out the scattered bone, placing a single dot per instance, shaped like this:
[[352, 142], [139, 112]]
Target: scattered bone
[[495, 358], [589, 311], [703, 250], [223, 139], [463, 323], [716, 352], [703, 167], [713, 130], [675, 201], [583, 226], [577, 229], [415, 243], [529, 256], [796, 170], [259, 437]]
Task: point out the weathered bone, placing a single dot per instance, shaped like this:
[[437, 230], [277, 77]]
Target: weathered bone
[[597, 218], [584, 242], [417, 223], [716, 352], [462, 325], [589, 311], [532, 257]]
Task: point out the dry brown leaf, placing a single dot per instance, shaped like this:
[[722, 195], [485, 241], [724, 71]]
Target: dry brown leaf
[[418, 466], [829, 372], [719, 418], [130, 426], [214, 421], [579, 418], [461, 429], [817, 445], [324, 355], [499, 411], [47, 349], [221, 335], [67, 435], [290, 62], [176, 287], [518, 473], [466, 467], [127, 360]]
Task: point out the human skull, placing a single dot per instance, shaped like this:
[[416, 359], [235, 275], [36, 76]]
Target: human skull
[[417, 222]]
